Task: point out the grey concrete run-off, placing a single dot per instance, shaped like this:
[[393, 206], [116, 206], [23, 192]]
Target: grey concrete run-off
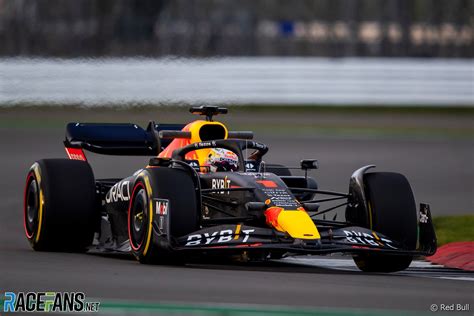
[[440, 170]]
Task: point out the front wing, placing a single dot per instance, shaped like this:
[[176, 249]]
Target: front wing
[[350, 239]]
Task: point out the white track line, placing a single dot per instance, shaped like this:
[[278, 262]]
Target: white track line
[[417, 268]]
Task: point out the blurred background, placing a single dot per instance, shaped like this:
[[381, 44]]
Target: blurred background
[[347, 82], [318, 52], [208, 28]]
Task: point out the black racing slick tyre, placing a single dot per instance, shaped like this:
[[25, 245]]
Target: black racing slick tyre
[[156, 191], [392, 212], [59, 205]]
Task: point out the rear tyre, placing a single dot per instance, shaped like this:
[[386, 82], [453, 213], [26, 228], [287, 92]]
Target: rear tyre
[[59, 205], [176, 189], [392, 212]]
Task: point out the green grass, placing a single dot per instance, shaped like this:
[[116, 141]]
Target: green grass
[[302, 129], [298, 120], [454, 228], [414, 109], [221, 309]]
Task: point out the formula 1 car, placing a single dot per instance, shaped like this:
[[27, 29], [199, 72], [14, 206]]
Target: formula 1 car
[[178, 208]]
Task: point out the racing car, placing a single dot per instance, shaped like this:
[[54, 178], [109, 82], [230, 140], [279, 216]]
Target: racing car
[[207, 191]]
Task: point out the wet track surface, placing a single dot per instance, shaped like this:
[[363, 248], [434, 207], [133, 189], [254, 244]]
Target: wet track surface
[[440, 170]]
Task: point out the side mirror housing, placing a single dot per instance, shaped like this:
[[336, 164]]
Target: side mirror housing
[[256, 206], [307, 164], [311, 207]]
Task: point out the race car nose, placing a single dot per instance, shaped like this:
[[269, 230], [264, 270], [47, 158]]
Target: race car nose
[[296, 223]]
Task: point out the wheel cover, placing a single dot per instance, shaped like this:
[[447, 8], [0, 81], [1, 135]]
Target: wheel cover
[[31, 207], [138, 216]]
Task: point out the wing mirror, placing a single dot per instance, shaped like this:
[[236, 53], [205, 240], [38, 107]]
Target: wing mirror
[[256, 206], [307, 164], [311, 207]]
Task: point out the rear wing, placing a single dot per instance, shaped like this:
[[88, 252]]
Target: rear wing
[[128, 139], [118, 138]]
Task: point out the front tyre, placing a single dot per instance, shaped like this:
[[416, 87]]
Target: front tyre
[[174, 191], [140, 221], [59, 205], [392, 212]]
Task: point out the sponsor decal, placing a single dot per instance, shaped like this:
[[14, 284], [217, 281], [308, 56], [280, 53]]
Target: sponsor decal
[[424, 210], [423, 218], [258, 145], [250, 166], [221, 184], [76, 154], [205, 144], [161, 209], [280, 197], [219, 237], [252, 174], [194, 164], [356, 237], [63, 302], [119, 192]]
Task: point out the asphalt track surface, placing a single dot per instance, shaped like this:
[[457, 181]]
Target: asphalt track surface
[[440, 170]]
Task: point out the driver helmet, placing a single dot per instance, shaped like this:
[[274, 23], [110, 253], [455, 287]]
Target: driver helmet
[[220, 159]]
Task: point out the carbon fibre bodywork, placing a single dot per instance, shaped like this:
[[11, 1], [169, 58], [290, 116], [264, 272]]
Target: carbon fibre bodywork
[[253, 210], [229, 225]]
